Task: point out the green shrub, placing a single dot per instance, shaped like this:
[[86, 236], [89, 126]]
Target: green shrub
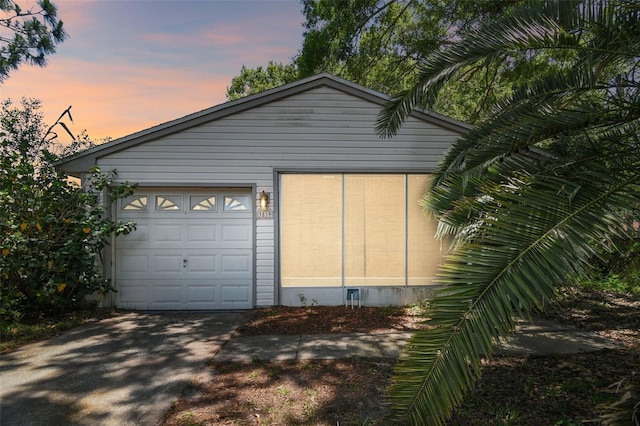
[[627, 282], [617, 270], [52, 232]]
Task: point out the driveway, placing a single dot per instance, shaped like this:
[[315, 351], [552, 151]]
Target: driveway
[[125, 370]]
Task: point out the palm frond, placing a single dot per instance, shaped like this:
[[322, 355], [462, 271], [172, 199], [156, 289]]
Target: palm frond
[[454, 191], [523, 30], [558, 105], [526, 194], [529, 28], [533, 233]]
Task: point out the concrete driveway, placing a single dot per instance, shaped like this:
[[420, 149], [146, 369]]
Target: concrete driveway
[[125, 370]]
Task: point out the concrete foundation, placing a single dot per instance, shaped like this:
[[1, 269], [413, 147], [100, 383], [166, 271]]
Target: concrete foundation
[[369, 296]]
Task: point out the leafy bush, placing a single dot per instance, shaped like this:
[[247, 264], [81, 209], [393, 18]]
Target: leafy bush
[[52, 232], [617, 270], [615, 266], [628, 282]]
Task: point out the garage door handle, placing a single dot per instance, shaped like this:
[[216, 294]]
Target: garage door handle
[[184, 263]]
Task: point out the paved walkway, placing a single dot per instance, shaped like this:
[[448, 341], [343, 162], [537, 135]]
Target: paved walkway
[[315, 346], [541, 338], [544, 337]]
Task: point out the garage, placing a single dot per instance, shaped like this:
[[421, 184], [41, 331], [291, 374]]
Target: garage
[[281, 196], [192, 250]]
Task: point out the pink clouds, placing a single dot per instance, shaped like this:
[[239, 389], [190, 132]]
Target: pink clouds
[[124, 69], [120, 100]]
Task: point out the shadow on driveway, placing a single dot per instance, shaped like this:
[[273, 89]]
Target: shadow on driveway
[[125, 370]]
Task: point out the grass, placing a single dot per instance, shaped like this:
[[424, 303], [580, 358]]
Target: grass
[[626, 282], [619, 274], [16, 333]]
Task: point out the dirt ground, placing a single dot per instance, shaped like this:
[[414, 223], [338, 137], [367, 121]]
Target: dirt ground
[[331, 319], [554, 390]]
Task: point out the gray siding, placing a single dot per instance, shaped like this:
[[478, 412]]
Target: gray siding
[[320, 129]]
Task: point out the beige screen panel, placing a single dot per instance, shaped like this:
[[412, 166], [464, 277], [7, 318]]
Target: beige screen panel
[[311, 230], [425, 252], [374, 236]]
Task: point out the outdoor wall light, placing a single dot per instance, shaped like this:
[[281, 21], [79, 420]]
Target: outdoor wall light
[[264, 201]]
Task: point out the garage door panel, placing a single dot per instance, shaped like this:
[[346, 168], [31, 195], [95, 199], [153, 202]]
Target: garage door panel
[[236, 233], [202, 233], [230, 263], [166, 233], [166, 293], [160, 296], [186, 253], [167, 264], [236, 293], [133, 294], [133, 263], [201, 293], [202, 264], [234, 264], [139, 236]]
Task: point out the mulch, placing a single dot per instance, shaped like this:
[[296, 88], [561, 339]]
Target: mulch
[[289, 320]]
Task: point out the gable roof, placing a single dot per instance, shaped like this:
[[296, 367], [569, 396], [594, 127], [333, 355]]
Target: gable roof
[[83, 161]]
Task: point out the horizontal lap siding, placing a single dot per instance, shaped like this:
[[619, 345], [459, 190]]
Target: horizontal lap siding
[[322, 128]]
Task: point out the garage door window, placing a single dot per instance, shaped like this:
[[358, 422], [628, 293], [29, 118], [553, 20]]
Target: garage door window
[[356, 230], [167, 203], [205, 203], [237, 203], [136, 203]]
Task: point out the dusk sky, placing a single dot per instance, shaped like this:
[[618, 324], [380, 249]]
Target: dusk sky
[[131, 64]]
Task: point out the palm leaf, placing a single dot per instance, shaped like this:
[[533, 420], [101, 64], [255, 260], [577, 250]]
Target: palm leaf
[[533, 234], [527, 194], [524, 29]]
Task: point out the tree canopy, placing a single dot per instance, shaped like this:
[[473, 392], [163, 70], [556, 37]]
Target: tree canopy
[[379, 44], [27, 36], [255, 80]]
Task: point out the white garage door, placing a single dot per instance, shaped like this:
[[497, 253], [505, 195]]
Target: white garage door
[[192, 249]]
